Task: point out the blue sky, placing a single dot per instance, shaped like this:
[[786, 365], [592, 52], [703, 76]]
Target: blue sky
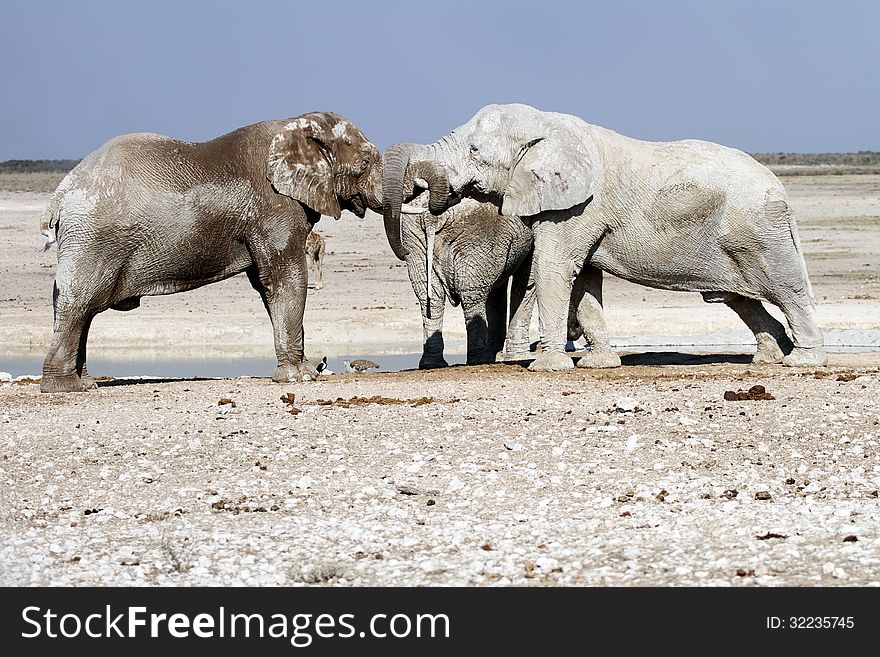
[[761, 76]]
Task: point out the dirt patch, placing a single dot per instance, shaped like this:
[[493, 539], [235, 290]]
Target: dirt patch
[[755, 393], [376, 399]]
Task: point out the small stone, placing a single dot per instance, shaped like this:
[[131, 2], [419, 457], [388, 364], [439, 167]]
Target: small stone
[[763, 495], [512, 445], [627, 405], [455, 484], [546, 564], [851, 538]]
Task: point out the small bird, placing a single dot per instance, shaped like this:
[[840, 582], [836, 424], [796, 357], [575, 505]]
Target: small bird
[[322, 368], [359, 365]]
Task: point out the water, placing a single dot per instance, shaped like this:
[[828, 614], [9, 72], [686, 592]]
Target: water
[[31, 363], [207, 367]]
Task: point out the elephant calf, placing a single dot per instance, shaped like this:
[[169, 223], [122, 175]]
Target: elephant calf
[[467, 255], [148, 215]]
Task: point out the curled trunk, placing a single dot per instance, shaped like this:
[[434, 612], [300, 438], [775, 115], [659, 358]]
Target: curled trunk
[[407, 169]]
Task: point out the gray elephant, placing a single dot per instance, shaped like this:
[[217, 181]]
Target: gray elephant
[[467, 255], [687, 215], [148, 215]]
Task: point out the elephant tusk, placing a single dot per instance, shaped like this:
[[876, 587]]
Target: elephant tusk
[[409, 208], [421, 182]]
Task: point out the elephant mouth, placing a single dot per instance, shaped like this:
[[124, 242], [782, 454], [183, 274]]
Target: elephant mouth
[[475, 191], [357, 205]]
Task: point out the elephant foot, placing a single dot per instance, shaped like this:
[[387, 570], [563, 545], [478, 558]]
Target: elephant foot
[[64, 383], [432, 363], [511, 356], [601, 359], [771, 350], [551, 361], [806, 357], [482, 358], [768, 353], [303, 371]]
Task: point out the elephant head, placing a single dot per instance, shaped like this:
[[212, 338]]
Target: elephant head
[[324, 161], [523, 160]]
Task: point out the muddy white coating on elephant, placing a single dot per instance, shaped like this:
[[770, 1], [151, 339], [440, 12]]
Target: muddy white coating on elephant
[[688, 215], [149, 215]]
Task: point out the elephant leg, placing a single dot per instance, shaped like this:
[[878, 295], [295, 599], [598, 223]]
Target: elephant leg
[[809, 344], [553, 274], [87, 381], [64, 365], [773, 342], [432, 312], [496, 319], [282, 279], [477, 327], [586, 298], [432, 323], [522, 302], [319, 265]]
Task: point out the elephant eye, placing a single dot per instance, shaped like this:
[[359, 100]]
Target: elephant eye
[[365, 162]]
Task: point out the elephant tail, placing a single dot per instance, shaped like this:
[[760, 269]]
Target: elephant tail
[[49, 221]]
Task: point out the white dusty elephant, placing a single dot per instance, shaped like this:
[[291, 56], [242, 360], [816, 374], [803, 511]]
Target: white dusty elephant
[[148, 215], [686, 215], [467, 255]]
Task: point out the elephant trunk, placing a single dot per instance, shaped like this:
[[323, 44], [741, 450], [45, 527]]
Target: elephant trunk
[[430, 232], [405, 168]]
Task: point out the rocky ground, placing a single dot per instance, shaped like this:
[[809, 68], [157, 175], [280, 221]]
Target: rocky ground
[[644, 475]]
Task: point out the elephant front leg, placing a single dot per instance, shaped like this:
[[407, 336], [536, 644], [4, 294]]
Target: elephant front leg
[[282, 284], [586, 303], [553, 287]]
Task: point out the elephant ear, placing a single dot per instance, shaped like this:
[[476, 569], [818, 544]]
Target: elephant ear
[[553, 173], [300, 166]]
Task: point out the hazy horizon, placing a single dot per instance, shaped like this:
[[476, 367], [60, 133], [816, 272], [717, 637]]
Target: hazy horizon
[[762, 77]]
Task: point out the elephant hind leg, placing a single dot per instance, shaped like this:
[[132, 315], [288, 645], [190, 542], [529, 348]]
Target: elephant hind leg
[[586, 309], [773, 342], [64, 369], [496, 318], [477, 326], [809, 344]]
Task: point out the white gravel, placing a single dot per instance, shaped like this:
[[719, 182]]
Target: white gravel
[[488, 476]]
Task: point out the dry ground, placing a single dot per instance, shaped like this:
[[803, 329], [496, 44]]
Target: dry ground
[[486, 475], [469, 476]]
